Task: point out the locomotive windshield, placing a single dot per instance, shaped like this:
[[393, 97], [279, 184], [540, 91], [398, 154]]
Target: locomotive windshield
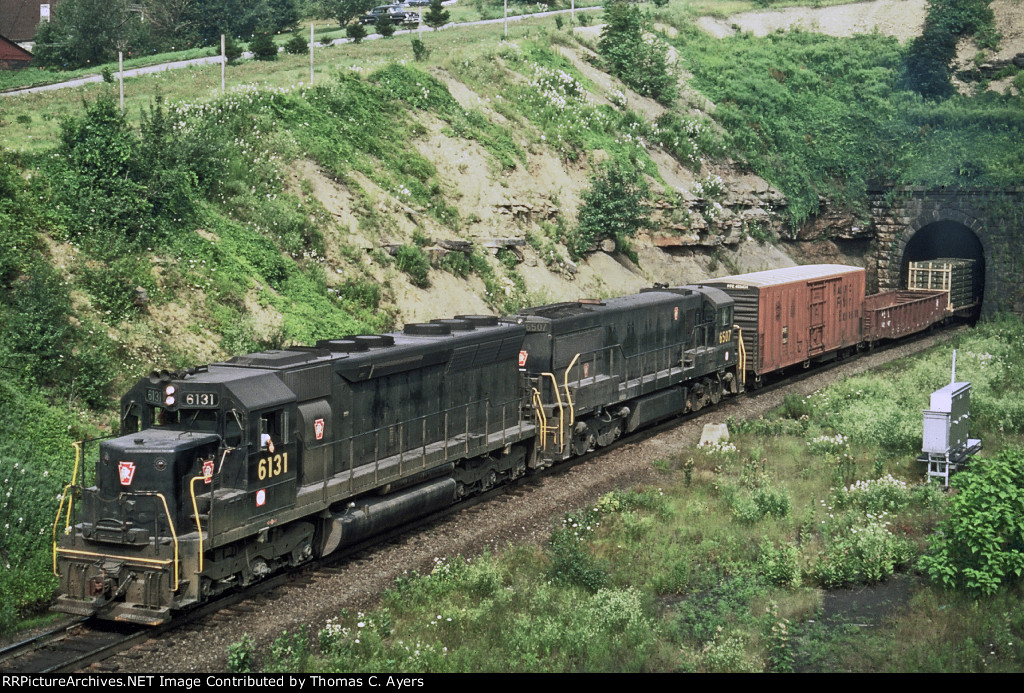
[[185, 419]]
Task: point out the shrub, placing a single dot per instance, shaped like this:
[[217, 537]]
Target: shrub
[[19, 218], [456, 263], [414, 262], [874, 496], [240, 656], [419, 51], [356, 32], [779, 566], [571, 561], [686, 139], [386, 27], [296, 44], [232, 50], [859, 549], [615, 205], [113, 286], [263, 46], [981, 546]]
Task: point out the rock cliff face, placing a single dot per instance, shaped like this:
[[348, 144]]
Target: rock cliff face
[[724, 213]]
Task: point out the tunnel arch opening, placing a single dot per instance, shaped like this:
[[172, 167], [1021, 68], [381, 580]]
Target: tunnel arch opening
[[946, 239]]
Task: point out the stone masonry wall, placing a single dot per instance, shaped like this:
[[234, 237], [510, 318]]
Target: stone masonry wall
[[995, 217]]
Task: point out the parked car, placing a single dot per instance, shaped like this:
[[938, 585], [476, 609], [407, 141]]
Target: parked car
[[397, 14]]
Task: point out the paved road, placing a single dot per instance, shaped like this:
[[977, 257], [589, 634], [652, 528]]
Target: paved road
[[216, 59]]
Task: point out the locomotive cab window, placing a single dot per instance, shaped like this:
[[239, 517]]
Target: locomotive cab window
[[232, 429], [165, 417], [273, 430], [131, 422], [199, 420]]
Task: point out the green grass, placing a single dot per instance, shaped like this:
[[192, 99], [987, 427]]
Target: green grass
[[34, 77], [41, 113]]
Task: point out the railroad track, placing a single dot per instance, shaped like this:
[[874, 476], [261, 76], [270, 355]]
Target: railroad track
[[90, 643]]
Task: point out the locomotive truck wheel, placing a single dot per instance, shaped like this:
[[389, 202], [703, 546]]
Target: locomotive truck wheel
[[519, 469], [582, 439], [715, 390], [490, 481], [699, 397], [301, 554], [609, 435]]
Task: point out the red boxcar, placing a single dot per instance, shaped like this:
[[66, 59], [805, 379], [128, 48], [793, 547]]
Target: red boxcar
[[898, 313], [796, 314]]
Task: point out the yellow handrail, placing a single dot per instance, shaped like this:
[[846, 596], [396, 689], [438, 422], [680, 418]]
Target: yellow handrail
[[568, 396], [538, 407], [60, 506], [195, 511], [131, 559], [743, 356]]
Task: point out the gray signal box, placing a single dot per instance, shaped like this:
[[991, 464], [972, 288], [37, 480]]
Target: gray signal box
[[946, 444]]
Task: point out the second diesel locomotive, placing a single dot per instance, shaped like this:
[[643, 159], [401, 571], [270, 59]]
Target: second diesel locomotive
[[222, 474]]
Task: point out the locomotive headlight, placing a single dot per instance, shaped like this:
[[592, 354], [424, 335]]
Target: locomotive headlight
[[169, 390], [169, 401]]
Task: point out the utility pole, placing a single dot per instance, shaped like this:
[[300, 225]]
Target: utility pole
[[223, 63], [120, 76]]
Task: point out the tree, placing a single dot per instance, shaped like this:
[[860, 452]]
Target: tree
[[632, 55], [344, 10], [89, 32], [173, 23], [615, 205], [263, 46], [239, 18], [356, 32], [284, 14], [928, 63], [385, 26], [437, 16], [929, 60]]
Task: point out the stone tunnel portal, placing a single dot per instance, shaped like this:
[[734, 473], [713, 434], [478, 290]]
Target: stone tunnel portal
[[945, 239]]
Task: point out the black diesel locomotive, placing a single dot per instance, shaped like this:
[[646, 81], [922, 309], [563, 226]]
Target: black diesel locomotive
[[225, 473]]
